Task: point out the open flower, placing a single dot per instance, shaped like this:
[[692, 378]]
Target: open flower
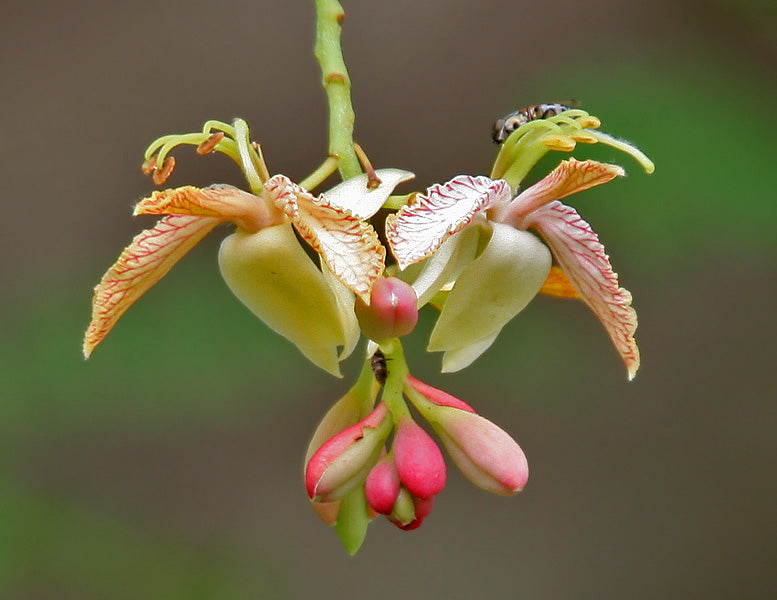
[[476, 239], [262, 262]]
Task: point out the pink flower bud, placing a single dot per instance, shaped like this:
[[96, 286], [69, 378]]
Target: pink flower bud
[[382, 485], [418, 459], [392, 312], [486, 454], [342, 463]]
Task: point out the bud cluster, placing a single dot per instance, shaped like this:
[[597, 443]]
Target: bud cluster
[[352, 457]]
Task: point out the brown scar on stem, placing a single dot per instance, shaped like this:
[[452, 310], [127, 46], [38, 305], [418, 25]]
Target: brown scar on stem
[[335, 78]]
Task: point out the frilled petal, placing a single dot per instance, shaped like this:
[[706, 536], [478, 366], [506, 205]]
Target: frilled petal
[[418, 229], [272, 275], [349, 246], [363, 202], [491, 290], [569, 177], [222, 201], [583, 259], [145, 261]]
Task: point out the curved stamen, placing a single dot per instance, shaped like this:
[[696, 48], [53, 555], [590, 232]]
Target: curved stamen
[[249, 160]]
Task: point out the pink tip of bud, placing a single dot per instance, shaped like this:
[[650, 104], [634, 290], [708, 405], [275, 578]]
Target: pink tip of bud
[[418, 459], [423, 506], [438, 396], [382, 486], [414, 524], [393, 310]]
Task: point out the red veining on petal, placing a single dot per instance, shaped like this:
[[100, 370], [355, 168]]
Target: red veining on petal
[[349, 246], [418, 229], [222, 201], [145, 261], [582, 257], [569, 177]]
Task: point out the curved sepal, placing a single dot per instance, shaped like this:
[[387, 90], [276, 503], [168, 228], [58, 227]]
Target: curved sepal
[[272, 275], [363, 202], [584, 261], [419, 228], [491, 290], [145, 261]]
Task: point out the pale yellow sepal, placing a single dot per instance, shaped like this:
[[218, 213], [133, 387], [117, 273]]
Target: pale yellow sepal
[[492, 290], [272, 275]]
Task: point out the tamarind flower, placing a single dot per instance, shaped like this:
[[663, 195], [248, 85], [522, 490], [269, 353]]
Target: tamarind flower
[[476, 238], [263, 263]]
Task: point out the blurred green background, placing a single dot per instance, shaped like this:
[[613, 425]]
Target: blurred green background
[[168, 466]]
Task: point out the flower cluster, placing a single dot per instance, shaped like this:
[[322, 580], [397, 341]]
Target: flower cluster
[[476, 248]]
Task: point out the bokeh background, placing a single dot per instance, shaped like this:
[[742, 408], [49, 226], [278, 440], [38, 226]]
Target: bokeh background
[[168, 466]]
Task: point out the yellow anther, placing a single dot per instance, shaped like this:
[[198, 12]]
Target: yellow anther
[[562, 143]]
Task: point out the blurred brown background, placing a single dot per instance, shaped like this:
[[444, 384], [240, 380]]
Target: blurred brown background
[[168, 466]]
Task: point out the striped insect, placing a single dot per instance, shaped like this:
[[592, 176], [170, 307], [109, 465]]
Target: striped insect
[[506, 125]]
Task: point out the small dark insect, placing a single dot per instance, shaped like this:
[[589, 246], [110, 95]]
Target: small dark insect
[[509, 123], [379, 367]]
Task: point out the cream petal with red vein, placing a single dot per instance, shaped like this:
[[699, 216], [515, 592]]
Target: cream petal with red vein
[[349, 246], [145, 261], [226, 202], [418, 229], [583, 259], [569, 177]]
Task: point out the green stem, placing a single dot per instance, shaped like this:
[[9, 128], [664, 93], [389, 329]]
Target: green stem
[[397, 372], [337, 86]]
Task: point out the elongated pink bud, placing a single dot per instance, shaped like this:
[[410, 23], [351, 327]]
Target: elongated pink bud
[[485, 453], [392, 312], [342, 463], [382, 486], [419, 461]]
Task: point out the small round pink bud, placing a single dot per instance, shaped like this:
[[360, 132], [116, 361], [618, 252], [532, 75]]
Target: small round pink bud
[[382, 486], [418, 459], [392, 312]]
